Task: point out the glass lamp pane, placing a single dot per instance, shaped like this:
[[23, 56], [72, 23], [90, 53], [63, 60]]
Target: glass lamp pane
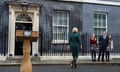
[[27, 33]]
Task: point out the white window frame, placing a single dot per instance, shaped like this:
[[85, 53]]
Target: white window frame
[[99, 27], [67, 26]]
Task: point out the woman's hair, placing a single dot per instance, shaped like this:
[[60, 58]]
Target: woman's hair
[[110, 37], [93, 35], [75, 29]]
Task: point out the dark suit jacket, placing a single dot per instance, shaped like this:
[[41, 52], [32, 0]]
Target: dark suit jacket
[[103, 43]]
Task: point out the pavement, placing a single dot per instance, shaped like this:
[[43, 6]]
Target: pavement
[[62, 60], [64, 68], [62, 64]]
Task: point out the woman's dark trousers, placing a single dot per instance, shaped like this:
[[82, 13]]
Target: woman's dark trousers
[[93, 54], [107, 55]]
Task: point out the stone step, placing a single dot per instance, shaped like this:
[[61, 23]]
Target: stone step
[[19, 59]]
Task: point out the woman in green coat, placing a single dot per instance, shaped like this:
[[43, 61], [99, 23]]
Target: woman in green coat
[[75, 44]]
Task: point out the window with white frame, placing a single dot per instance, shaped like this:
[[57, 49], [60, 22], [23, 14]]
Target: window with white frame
[[60, 26], [100, 22]]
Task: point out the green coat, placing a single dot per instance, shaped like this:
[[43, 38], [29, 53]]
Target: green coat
[[75, 42]]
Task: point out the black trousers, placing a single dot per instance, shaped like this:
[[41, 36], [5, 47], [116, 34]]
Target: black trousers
[[107, 55], [101, 51], [93, 54]]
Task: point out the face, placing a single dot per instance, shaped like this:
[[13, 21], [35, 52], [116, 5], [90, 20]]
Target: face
[[93, 35], [110, 36], [104, 33]]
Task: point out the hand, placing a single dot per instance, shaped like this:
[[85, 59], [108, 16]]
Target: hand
[[91, 48]]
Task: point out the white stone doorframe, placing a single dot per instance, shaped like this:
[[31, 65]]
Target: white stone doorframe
[[14, 10]]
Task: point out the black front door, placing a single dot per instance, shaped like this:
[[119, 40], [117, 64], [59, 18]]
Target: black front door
[[19, 43], [18, 47]]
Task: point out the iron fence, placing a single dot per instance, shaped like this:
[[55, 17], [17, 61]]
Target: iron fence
[[3, 41], [49, 48]]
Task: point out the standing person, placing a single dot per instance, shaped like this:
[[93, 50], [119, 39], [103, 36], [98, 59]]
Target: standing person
[[93, 46], [75, 43], [103, 43], [109, 48]]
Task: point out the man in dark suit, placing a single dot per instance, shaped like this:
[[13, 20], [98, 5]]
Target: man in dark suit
[[103, 43]]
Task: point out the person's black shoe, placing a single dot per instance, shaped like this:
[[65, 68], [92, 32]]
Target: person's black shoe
[[75, 66], [108, 60], [94, 60], [98, 60], [71, 64], [102, 60]]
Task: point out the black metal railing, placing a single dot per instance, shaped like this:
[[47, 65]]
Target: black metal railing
[[50, 48], [3, 33], [3, 41]]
